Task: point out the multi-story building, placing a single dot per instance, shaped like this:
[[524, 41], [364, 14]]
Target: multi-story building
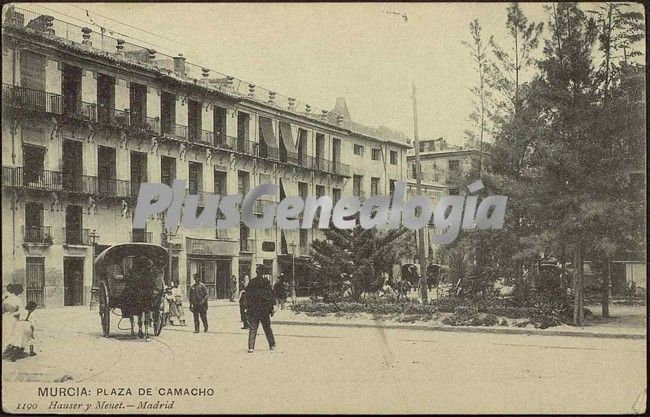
[[445, 165], [87, 118], [444, 171]]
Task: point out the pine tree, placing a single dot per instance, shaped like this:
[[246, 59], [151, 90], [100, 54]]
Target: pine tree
[[358, 255]]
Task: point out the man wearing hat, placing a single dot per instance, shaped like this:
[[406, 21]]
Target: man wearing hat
[[259, 307], [199, 303]]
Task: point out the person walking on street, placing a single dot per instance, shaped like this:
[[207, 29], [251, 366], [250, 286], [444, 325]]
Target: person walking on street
[[280, 292], [242, 308], [259, 308], [199, 303], [233, 287]]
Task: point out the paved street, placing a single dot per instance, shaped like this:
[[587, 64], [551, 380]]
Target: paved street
[[361, 370]]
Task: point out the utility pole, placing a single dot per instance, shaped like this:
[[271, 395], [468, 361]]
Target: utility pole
[[418, 168]]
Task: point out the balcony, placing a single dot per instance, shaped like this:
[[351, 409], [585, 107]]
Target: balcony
[[29, 99], [338, 168], [77, 109], [48, 180], [141, 236], [76, 236], [37, 234], [174, 131], [112, 117], [247, 245], [201, 136], [111, 187], [144, 123]]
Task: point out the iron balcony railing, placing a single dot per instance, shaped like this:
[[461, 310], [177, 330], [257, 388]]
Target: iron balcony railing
[[200, 136], [246, 245], [140, 121], [341, 169], [76, 236], [31, 99], [141, 236], [79, 109], [114, 117], [113, 188], [37, 234], [48, 180], [290, 157]]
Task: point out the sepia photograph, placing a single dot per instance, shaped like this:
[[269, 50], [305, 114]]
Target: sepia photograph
[[324, 208]]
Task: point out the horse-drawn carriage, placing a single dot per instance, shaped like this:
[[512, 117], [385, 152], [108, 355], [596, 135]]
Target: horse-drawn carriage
[[130, 277]]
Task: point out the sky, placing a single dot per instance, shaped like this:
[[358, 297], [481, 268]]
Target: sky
[[368, 53]]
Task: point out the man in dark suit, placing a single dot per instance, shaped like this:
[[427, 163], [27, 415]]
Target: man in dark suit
[[199, 303], [259, 307]]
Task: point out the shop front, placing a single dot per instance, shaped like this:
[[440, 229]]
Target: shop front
[[212, 261]]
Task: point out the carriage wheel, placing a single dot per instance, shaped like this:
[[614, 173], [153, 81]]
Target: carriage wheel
[[158, 316], [104, 310]]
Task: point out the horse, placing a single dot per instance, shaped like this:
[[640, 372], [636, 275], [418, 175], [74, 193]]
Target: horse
[[142, 293]]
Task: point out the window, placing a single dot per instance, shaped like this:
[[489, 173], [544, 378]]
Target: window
[[72, 165], [243, 125], [393, 157], [138, 104], [453, 191], [320, 146], [35, 280], [168, 113], [376, 154], [32, 72], [138, 171], [73, 225], [33, 160], [358, 150], [357, 185], [302, 147], [336, 195], [220, 178], [34, 230], [320, 191], [195, 180], [243, 182], [71, 89], [105, 98], [304, 239], [391, 186], [414, 171], [167, 170], [374, 186], [454, 165], [194, 110], [106, 169], [219, 118]]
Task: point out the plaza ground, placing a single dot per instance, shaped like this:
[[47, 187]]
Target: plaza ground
[[335, 369]]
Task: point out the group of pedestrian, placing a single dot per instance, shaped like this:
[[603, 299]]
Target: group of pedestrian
[[17, 324]]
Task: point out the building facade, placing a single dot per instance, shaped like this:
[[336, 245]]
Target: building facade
[[87, 118]]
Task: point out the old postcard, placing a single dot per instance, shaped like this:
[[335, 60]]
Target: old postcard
[[259, 208]]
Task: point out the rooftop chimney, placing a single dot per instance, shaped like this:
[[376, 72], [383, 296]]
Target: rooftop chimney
[[292, 102], [179, 64], [120, 46], [230, 80], [324, 114], [86, 31], [272, 97], [152, 56], [251, 90], [339, 120], [205, 72]]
